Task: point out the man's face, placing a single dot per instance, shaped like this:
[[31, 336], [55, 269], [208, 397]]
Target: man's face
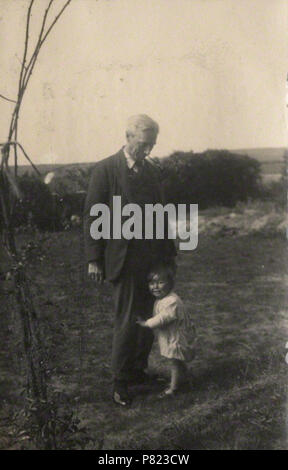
[[140, 144]]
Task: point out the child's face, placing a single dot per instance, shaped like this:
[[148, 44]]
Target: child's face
[[159, 286]]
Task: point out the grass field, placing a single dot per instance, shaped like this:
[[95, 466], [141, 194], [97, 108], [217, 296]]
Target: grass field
[[235, 290]]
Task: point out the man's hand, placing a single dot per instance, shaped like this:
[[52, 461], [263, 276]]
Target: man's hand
[[96, 272]]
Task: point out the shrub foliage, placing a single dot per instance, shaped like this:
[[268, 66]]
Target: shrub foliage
[[37, 206], [211, 178], [214, 177]]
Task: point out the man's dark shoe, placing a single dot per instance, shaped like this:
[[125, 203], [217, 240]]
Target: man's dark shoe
[[120, 394]]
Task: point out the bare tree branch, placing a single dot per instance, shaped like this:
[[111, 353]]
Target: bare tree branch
[[6, 171], [42, 38], [7, 99], [26, 71], [34, 55], [23, 67], [27, 157], [23, 72], [13, 122], [9, 191], [55, 20], [14, 143]]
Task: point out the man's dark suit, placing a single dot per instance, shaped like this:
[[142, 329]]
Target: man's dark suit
[[126, 263]]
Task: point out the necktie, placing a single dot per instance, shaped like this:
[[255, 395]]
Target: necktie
[[138, 166]]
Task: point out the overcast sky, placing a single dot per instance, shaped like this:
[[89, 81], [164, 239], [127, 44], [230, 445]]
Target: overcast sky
[[211, 72]]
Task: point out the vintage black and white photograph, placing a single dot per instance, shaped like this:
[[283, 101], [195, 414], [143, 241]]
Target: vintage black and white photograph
[[143, 222]]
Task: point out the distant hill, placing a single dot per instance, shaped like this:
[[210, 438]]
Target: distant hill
[[47, 168], [266, 154], [271, 158]]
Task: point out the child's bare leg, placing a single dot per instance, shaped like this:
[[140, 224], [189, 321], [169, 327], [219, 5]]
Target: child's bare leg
[[179, 372], [176, 373]]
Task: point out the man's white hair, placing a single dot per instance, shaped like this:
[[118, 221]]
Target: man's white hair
[[141, 122]]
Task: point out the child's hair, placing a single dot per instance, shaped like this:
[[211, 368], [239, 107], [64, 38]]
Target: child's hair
[[166, 269]]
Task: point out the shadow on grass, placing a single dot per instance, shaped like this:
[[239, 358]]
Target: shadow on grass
[[233, 371]]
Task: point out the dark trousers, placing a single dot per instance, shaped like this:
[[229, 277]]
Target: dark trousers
[[132, 299]]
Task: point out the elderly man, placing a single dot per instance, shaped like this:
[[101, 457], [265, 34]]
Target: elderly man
[[126, 263]]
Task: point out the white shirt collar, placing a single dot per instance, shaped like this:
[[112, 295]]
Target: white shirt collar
[[129, 159]]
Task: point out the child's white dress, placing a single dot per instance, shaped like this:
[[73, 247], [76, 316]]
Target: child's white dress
[[175, 330]]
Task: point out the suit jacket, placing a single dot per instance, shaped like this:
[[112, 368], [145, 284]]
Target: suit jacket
[[110, 178], [5, 261]]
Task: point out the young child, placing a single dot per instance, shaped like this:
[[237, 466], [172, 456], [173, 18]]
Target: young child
[[175, 330]]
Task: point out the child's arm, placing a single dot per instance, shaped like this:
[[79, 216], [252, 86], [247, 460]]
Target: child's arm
[[166, 315], [142, 323]]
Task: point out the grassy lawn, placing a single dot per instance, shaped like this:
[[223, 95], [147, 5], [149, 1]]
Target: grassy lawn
[[235, 290]]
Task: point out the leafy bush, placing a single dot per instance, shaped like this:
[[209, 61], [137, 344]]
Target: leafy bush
[[38, 206], [44, 210], [70, 179], [276, 191], [73, 204], [214, 177]]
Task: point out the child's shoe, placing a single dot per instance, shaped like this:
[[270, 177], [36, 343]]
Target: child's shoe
[[168, 393], [171, 393]]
